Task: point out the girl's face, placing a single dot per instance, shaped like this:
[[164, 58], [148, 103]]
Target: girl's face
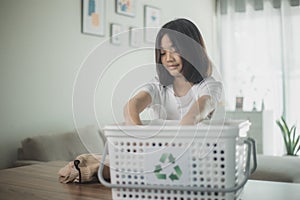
[[170, 59]]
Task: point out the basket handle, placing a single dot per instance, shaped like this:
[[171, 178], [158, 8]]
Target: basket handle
[[254, 158], [251, 148]]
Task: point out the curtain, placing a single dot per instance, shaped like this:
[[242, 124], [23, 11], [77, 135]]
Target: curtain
[[259, 57], [291, 33]]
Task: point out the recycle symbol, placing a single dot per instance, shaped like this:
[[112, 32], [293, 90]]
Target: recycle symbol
[[158, 169]]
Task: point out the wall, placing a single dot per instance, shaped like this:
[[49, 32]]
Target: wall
[[42, 48]]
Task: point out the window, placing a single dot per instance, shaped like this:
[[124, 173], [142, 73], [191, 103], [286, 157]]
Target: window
[[259, 55]]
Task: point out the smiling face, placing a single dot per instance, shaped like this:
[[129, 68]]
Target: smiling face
[[170, 59]]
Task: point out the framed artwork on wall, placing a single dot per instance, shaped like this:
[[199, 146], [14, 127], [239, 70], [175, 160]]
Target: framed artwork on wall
[[134, 37], [152, 22], [126, 7], [93, 17], [115, 29], [239, 101]]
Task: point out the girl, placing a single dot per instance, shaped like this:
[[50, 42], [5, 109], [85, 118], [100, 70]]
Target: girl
[[184, 89]]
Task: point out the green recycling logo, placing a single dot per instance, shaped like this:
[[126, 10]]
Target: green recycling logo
[[164, 159]]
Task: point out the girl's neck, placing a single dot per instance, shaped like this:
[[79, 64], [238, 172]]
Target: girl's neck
[[181, 86]]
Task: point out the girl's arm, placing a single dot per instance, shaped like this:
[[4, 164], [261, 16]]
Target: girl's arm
[[203, 107], [135, 106]]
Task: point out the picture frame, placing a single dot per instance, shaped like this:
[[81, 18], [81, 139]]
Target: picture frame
[[115, 30], [93, 17], [134, 40], [152, 18], [126, 7], [239, 102]]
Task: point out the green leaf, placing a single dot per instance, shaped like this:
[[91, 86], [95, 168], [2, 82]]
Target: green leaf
[[297, 144], [288, 133], [283, 132], [292, 136], [284, 124], [281, 128], [292, 130]]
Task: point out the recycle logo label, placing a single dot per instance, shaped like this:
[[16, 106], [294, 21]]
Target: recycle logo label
[[164, 159]]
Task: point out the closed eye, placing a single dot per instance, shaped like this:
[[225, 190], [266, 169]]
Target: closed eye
[[171, 50]]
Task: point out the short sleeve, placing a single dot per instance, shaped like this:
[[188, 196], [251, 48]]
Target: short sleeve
[[212, 88], [152, 88]]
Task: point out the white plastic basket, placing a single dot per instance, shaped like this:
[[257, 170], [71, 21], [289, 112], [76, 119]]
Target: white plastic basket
[[167, 162]]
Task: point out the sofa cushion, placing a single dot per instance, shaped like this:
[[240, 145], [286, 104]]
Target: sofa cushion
[[65, 146], [277, 168]]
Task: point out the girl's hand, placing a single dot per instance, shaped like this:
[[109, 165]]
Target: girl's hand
[[135, 106]]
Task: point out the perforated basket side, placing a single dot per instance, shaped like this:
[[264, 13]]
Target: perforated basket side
[[212, 164]]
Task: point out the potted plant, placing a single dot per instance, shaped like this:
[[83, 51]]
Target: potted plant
[[291, 140]]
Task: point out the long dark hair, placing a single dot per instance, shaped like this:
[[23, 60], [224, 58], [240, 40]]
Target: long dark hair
[[188, 42]]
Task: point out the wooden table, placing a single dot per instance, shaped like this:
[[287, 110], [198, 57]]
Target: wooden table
[[41, 182]]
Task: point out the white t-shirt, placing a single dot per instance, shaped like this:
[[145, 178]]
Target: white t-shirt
[[165, 105]]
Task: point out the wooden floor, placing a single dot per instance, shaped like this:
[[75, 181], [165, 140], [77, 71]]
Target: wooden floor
[[41, 182]]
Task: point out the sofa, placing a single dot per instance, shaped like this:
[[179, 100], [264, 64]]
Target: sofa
[[60, 146], [67, 146], [277, 168]]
